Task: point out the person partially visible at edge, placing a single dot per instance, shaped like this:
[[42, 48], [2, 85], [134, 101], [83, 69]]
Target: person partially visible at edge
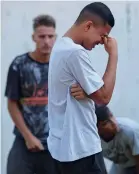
[[73, 139], [120, 141], [27, 91]]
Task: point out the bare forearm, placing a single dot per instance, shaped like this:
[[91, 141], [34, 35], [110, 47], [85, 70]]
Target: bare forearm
[[109, 77], [18, 119], [103, 95]]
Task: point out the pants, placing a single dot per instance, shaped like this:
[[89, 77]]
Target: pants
[[90, 165], [22, 161]]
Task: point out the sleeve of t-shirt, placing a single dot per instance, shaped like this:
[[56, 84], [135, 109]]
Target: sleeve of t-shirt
[[12, 90], [133, 141], [80, 67]]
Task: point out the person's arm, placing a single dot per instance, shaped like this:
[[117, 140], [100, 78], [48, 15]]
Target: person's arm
[[13, 94], [32, 142], [77, 92], [104, 94], [94, 87], [17, 118]]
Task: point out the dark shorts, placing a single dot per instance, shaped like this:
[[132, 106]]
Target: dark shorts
[[22, 161], [90, 165]]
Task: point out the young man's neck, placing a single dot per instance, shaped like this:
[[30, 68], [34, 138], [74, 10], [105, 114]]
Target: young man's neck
[[39, 57], [73, 33]]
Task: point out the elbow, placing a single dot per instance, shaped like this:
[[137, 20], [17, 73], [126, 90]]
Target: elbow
[[101, 97], [103, 100]]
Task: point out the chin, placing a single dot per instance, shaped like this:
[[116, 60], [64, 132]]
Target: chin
[[107, 139], [89, 49], [45, 52], [92, 46]]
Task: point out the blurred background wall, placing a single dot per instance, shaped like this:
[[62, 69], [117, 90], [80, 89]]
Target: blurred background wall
[[16, 39]]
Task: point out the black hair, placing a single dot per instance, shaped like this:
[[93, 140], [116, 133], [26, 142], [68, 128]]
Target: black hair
[[103, 113], [45, 20], [99, 9]]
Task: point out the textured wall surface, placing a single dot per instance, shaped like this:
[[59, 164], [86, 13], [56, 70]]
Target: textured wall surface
[[16, 39]]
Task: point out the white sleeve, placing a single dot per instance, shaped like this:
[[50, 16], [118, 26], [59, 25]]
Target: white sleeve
[[81, 68], [133, 141]]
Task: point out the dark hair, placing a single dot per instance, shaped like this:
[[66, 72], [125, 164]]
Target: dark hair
[[99, 9], [45, 20], [103, 113]]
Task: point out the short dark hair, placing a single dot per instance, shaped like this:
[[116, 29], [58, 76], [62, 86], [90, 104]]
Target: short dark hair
[[98, 9], [45, 20], [103, 113]]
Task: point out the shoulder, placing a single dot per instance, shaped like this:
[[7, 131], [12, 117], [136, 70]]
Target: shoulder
[[127, 124], [19, 61], [78, 54], [65, 46], [128, 128]]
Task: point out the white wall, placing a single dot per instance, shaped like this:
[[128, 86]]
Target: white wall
[[16, 39]]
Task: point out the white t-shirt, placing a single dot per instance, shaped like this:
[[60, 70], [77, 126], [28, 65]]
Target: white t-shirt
[[125, 145], [73, 132]]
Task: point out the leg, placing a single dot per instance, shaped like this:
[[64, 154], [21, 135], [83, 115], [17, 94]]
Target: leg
[[90, 165], [19, 159], [99, 164], [45, 163]]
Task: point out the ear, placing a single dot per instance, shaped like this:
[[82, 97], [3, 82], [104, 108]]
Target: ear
[[88, 25], [100, 124], [33, 37], [56, 36]]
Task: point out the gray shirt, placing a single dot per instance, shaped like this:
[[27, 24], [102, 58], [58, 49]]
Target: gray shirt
[[122, 149]]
